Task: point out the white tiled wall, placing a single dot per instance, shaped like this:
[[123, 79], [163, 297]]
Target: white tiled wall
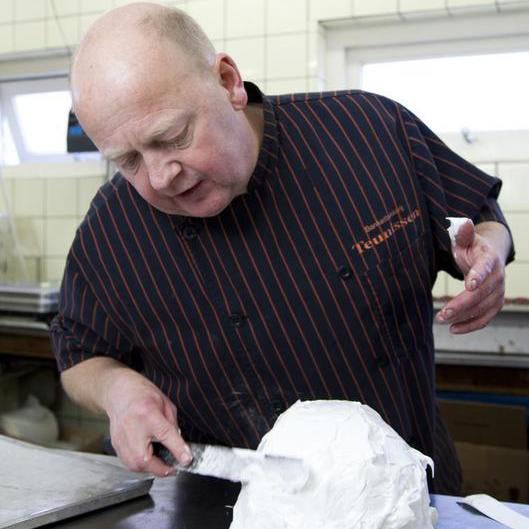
[[48, 202], [376, 7], [514, 200], [420, 5], [277, 43], [243, 18]]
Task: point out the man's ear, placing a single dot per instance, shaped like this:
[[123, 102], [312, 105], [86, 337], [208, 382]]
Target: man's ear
[[231, 80]]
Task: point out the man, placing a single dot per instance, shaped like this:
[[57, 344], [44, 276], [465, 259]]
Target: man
[[254, 251]]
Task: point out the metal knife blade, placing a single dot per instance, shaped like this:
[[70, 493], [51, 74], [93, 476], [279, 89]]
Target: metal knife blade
[[237, 464]]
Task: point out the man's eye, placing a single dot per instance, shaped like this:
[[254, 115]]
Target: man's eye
[[182, 140]]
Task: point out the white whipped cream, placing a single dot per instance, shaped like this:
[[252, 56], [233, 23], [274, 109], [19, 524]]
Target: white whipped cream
[[455, 224], [363, 474]]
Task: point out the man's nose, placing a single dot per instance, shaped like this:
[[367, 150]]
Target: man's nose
[[162, 171]]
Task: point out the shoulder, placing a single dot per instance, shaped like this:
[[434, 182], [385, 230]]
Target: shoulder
[[107, 198], [359, 98], [108, 192], [348, 107], [110, 198], [355, 113]]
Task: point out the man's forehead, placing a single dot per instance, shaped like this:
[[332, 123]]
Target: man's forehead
[[132, 67], [153, 127]]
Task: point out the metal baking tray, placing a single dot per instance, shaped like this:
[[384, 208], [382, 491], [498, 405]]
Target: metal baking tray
[[30, 298], [41, 485]]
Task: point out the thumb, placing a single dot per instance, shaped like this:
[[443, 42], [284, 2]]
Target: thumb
[[464, 236]]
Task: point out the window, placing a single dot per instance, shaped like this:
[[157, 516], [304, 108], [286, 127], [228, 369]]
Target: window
[[34, 115], [45, 135], [476, 92], [465, 76]]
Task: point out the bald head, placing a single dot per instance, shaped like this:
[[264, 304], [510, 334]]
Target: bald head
[[135, 43]]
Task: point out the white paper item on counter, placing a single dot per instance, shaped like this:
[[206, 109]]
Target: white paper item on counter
[[497, 511]]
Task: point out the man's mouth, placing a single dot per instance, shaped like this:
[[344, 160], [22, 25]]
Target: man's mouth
[[189, 190], [196, 192]]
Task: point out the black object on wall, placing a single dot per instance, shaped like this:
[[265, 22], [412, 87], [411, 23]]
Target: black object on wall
[[76, 139]]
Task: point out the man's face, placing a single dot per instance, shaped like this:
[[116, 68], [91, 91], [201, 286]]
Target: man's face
[[184, 148]]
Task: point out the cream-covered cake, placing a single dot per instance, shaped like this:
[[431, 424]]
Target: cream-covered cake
[[363, 475]]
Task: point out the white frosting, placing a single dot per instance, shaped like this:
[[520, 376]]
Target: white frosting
[[239, 464], [455, 224], [362, 474]]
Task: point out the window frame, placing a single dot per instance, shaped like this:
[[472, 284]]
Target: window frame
[[353, 43], [8, 91], [51, 69]]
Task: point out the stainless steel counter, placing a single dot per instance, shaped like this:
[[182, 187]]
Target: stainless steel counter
[[503, 343], [178, 502], [194, 502]]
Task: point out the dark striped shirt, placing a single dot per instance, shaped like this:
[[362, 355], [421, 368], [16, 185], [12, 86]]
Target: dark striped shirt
[[316, 284]]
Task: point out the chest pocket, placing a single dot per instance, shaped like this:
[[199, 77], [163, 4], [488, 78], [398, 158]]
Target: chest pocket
[[400, 292]]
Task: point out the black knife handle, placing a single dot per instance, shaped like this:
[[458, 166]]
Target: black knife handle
[[159, 450]]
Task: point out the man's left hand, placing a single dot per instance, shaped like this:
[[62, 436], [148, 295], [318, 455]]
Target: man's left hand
[[480, 253]]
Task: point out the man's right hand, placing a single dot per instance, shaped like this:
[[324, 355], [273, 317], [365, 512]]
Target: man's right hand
[[139, 412]]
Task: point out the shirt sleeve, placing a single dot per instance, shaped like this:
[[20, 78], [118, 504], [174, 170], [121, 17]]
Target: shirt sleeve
[[82, 329], [452, 187]]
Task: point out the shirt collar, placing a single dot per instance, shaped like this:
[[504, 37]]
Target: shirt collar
[[268, 152]]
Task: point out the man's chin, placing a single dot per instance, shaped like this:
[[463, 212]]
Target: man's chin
[[205, 208]]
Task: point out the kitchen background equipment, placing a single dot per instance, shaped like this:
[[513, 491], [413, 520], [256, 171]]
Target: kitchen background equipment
[[28, 307], [39, 298], [31, 422]]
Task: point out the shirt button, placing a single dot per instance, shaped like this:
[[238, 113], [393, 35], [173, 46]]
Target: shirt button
[[381, 360], [238, 319], [189, 232], [344, 272]]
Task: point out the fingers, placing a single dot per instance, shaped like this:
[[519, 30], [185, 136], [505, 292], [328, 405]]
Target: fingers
[[472, 310], [480, 321], [156, 466], [465, 235], [134, 448], [152, 464], [174, 442], [482, 267], [465, 304], [462, 245], [470, 249], [142, 419]]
